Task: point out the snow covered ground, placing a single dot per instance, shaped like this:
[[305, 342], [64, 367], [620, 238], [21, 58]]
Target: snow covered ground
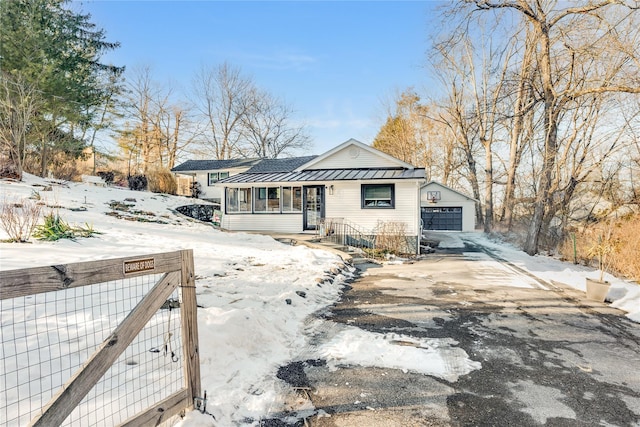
[[246, 327], [623, 294]]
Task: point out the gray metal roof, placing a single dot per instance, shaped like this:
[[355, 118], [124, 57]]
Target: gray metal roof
[[205, 165], [280, 165], [326, 175]]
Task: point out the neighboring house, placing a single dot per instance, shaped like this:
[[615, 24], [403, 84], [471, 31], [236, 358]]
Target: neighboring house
[[443, 208], [206, 173], [352, 185]]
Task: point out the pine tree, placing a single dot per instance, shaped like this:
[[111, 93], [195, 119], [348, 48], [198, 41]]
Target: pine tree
[[48, 47]]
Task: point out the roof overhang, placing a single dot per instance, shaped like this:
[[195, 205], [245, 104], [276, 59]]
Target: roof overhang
[[326, 175]]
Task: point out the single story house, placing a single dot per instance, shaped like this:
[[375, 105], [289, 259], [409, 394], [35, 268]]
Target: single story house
[[353, 188], [205, 173], [443, 208]]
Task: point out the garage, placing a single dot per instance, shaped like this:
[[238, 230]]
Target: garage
[[444, 209], [449, 218]]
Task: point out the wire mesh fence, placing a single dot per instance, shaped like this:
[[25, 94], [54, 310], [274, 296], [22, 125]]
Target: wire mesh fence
[[47, 339]]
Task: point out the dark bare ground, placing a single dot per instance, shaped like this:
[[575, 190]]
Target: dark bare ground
[[548, 356]]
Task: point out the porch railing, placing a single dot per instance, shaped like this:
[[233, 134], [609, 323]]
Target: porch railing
[[388, 237], [344, 232]]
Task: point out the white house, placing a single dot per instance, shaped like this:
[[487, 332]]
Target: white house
[[353, 186], [443, 208], [206, 173]]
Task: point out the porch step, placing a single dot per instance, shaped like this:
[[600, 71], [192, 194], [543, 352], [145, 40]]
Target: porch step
[[356, 255], [347, 253]]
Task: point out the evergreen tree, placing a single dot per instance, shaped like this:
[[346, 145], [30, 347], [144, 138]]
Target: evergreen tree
[[49, 47]]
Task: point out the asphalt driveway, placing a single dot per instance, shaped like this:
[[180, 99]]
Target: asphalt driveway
[[548, 356]]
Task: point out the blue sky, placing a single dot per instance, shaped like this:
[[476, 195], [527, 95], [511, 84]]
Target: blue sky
[[334, 62]]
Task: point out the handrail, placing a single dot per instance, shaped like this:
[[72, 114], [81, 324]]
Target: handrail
[[344, 232]]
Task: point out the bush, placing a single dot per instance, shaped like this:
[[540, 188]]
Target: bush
[[19, 218], [391, 237], [137, 182], [55, 228], [8, 170], [162, 181], [107, 176], [196, 189], [623, 231]]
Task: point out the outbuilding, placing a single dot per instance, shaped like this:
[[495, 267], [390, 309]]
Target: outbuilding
[[443, 208]]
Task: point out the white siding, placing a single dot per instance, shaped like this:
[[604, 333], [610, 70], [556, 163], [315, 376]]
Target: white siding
[[280, 223], [450, 199], [345, 202], [207, 191], [213, 191], [354, 157]]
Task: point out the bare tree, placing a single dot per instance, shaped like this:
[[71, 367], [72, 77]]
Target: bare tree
[[156, 129], [267, 129], [582, 52], [453, 114], [519, 139], [19, 102], [223, 97]]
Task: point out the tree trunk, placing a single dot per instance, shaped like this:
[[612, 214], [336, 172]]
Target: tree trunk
[[515, 142], [550, 140], [43, 158], [488, 188]]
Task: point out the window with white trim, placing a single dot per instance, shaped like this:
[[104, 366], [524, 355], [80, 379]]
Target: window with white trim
[[291, 199], [266, 199], [214, 177], [238, 200]]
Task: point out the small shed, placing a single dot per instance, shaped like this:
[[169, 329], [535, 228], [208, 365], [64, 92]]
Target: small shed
[[446, 209]]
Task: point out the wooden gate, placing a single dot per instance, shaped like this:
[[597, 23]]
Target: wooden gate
[[172, 273]]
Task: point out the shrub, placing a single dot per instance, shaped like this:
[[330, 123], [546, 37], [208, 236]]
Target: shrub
[[107, 176], [624, 234], [19, 218], [138, 182], [55, 228], [162, 181], [391, 237], [8, 170], [196, 189]]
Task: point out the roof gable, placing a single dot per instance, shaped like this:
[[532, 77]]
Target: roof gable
[[434, 184], [353, 153]]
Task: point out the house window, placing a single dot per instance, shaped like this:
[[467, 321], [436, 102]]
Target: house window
[[273, 199], [267, 199], [216, 176], [376, 196], [291, 199], [238, 200], [260, 199]]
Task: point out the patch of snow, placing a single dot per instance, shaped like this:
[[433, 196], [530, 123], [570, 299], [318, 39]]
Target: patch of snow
[[429, 356]]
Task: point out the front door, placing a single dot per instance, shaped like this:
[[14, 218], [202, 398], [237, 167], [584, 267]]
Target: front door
[[313, 206]]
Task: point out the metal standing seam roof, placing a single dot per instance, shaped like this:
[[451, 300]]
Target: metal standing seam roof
[[325, 175]]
